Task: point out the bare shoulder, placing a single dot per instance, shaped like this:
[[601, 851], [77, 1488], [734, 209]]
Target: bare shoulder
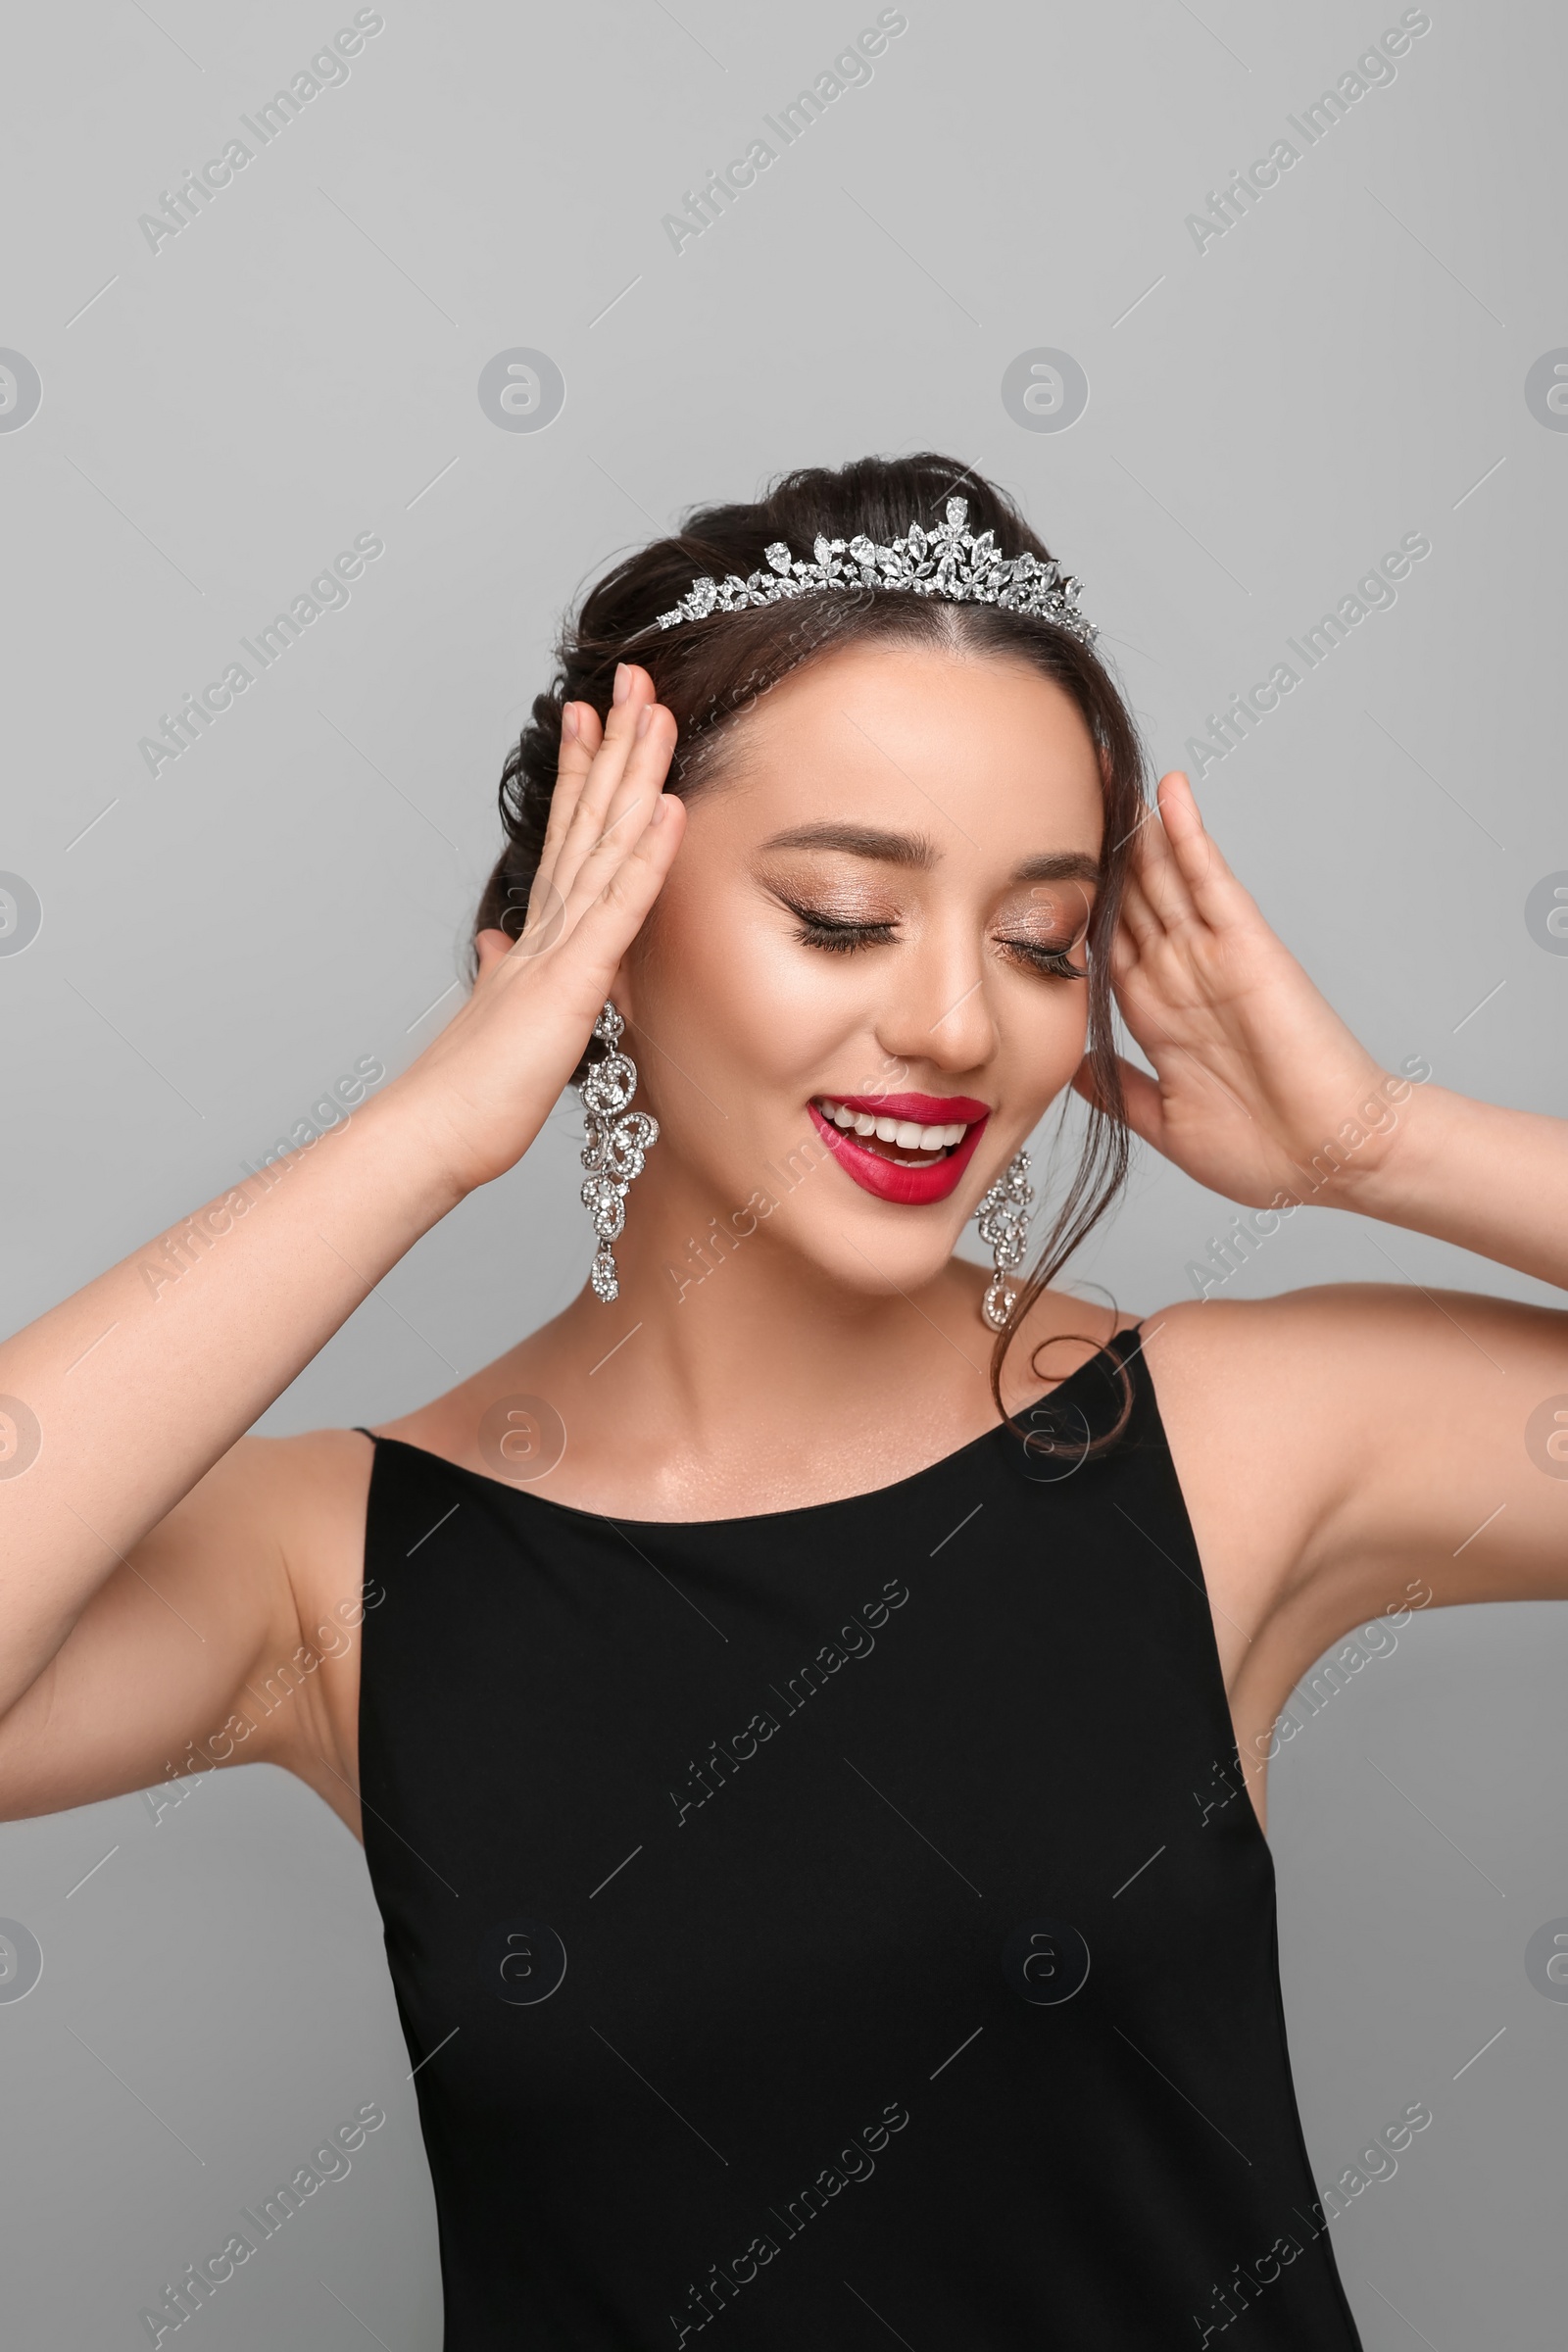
[[1059, 1334], [544, 1364], [1260, 1401], [290, 1509], [317, 1485], [204, 1644], [1335, 1442], [312, 1491], [1351, 1363], [1252, 1399]]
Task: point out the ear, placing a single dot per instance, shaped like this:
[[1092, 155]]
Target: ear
[[623, 990], [490, 947]]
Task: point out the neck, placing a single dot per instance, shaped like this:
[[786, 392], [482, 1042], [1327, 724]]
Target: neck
[[729, 1346]]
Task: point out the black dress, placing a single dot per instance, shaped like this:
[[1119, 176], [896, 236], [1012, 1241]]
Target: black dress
[[840, 1927]]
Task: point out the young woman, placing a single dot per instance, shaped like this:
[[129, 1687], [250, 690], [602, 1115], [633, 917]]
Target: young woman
[[809, 1742]]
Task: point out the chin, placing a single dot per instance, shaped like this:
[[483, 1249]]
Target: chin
[[867, 1226]]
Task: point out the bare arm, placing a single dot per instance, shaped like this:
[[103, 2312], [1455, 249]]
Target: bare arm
[[1489, 1179], [134, 1388], [1355, 1449], [130, 1397], [1349, 1449], [193, 1651]]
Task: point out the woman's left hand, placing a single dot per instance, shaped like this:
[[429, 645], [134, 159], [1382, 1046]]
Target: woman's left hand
[[1256, 1075]]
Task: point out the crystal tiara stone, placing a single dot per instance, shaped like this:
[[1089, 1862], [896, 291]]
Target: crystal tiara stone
[[948, 561]]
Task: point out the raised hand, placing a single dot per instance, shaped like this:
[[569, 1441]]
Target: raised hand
[[488, 1082], [1256, 1073]]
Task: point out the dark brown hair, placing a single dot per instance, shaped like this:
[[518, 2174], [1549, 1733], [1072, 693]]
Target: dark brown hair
[[708, 674]]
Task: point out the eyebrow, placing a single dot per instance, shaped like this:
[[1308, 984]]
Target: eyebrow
[[1065, 865], [916, 851]]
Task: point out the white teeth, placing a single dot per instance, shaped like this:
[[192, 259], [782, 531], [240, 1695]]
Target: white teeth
[[908, 1134]]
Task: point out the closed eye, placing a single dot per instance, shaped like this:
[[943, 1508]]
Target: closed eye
[[840, 936], [1057, 961], [834, 933]]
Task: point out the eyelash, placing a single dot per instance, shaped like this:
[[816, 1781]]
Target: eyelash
[[842, 939], [1054, 961], [838, 939]]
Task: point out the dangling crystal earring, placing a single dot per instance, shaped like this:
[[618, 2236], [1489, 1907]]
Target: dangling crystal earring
[[615, 1150], [1003, 1220]]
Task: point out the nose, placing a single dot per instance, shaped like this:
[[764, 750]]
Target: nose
[[939, 1009]]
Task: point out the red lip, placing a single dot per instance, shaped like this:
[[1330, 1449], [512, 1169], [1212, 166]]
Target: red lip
[[932, 1111], [911, 1187]]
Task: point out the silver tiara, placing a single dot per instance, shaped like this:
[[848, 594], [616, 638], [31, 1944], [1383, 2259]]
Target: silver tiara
[[948, 561]]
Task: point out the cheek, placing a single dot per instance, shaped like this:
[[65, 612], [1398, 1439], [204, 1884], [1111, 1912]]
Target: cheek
[[1041, 1036], [747, 1002]]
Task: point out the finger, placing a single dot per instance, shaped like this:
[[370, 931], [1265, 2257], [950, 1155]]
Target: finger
[[1158, 873], [611, 920], [634, 692], [580, 737], [1211, 888], [1142, 1111], [639, 788], [1139, 919], [1124, 956]]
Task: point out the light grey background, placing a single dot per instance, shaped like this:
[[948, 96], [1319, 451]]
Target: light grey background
[[301, 365]]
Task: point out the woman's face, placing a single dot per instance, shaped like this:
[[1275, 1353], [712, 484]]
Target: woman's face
[[877, 913]]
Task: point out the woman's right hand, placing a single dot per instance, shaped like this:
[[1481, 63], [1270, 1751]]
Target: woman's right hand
[[131, 1519], [487, 1084]]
